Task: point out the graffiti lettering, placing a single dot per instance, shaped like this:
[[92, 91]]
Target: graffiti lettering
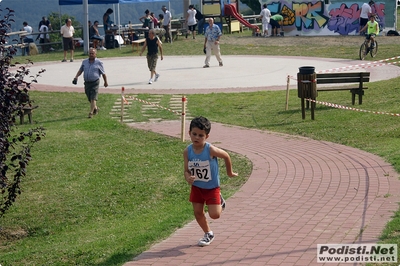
[[344, 20], [308, 13]]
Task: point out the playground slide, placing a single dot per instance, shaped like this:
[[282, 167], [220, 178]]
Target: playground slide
[[230, 10]]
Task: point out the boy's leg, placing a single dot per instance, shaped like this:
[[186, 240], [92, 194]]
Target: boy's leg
[[199, 214], [214, 211]]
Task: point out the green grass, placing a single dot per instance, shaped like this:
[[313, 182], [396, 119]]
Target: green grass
[[100, 193]]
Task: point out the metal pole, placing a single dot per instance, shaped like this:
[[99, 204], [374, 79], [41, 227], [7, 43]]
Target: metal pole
[[85, 27]]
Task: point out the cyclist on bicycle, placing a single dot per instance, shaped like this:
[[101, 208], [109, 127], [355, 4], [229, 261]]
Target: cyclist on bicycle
[[373, 30]]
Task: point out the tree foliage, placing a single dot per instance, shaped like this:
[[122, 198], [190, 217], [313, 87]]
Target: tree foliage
[[253, 5], [14, 147]]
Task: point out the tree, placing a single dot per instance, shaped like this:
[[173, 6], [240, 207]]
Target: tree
[[253, 5], [14, 147]]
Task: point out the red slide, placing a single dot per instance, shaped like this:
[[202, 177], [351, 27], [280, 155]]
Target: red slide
[[230, 10]]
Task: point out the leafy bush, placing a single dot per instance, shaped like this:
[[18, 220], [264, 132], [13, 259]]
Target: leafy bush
[[14, 147]]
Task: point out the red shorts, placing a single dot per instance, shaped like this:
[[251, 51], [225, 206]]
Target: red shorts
[[209, 196]]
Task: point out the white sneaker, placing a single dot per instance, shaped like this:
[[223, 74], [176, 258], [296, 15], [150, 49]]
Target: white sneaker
[[103, 48], [206, 240], [157, 76], [150, 81]]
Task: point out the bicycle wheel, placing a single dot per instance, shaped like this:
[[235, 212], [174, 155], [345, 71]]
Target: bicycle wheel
[[363, 51], [374, 51]]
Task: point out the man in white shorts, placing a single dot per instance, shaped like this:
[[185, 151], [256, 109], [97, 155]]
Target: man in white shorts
[[265, 15]]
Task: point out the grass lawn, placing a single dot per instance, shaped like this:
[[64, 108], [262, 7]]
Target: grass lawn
[[100, 193]]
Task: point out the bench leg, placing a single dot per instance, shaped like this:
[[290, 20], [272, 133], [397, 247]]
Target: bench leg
[[21, 118], [30, 117], [353, 98]]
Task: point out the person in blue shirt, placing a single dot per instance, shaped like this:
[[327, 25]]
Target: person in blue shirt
[[92, 68], [211, 42], [202, 173]]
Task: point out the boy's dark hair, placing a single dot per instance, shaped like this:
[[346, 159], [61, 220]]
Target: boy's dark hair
[[109, 11], [201, 123], [264, 5]]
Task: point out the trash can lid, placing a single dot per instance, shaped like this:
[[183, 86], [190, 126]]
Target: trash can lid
[[306, 70]]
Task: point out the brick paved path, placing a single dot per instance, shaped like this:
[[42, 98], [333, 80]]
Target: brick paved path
[[301, 193]]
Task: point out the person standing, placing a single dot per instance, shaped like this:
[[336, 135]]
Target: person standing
[[44, 38], [67, 31], [167, 24], [366, 11], [265, 15], [191, 21], [107, 20], [28, 38], [45, 22], [211, 42], [276, 21], [92, 68], [200, 21], [153, 44], [156, 24], [146, 20], [201, 171]]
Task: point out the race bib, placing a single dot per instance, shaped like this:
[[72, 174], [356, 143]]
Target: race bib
[[200, 170]]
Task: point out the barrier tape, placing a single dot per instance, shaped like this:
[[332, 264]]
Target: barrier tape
[[352, 67], [150, 103], [338, 106]]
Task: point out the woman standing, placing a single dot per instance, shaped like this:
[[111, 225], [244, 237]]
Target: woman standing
[[191, 21], [147, 21]]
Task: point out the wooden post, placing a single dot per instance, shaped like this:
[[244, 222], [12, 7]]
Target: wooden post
[[183, 118], [122, 104], [287, 93]]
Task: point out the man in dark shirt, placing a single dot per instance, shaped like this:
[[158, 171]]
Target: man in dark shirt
[[200, 21], [153, 44]]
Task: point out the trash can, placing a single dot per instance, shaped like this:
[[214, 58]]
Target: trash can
[[306, 82], [307, 88]]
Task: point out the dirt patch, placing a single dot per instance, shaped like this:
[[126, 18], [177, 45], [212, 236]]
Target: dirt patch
[[12, 234]]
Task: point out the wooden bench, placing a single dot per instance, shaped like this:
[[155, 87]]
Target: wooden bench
[[136, 44], [27, 110], [345, 77]]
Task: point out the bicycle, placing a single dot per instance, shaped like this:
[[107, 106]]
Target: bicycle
[[365, 49]]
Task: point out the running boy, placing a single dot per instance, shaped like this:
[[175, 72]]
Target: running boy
[[202, 172]]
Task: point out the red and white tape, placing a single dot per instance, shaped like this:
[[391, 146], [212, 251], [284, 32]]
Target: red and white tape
[[338, 106], [353, 67]]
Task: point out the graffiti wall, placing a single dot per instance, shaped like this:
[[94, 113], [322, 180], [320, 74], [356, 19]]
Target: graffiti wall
[[318, 18]]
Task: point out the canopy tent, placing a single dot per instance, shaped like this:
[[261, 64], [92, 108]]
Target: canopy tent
[[85, 4]]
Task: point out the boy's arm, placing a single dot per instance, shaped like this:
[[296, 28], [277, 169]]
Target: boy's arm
[[188, 176], [365, 26], [219, 153]]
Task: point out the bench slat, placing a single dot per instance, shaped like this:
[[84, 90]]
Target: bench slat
[[344, 74], [339, 89], [342, 80]]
